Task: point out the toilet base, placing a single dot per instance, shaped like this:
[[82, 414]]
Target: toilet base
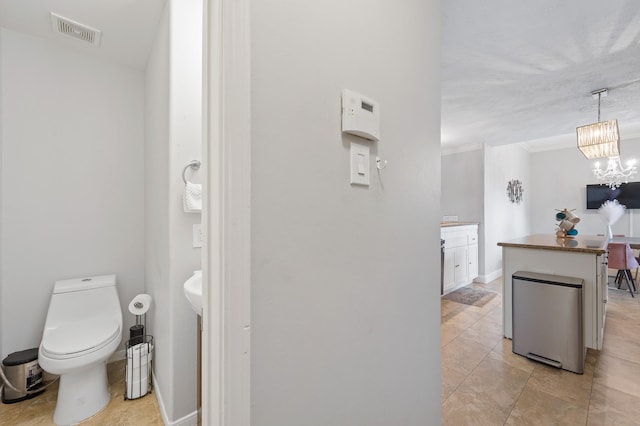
[[82, 394]]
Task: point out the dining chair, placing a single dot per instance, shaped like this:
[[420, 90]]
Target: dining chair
[[621, 258]]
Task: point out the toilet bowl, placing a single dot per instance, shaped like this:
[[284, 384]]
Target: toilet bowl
[[82, 330]]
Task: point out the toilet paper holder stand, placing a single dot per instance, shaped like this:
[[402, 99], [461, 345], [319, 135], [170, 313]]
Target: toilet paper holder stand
[[139, 307], [139, 350], [139, 367]]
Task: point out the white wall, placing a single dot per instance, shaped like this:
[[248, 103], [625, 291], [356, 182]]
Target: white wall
[[560, 180], [553, 179], [462, 185], [345, 279], [186, 145], [173, 138], [157, 248], [474, 187], [503, 219], [463, 192], [72, 179]]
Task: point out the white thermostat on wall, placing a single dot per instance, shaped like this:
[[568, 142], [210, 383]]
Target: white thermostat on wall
[[360, 115]]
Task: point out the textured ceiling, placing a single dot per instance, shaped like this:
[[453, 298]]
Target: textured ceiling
[[128, 26], [512, 71], [522, 71]]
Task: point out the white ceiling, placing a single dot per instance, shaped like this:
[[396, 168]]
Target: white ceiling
[[512, 71], [128, 26], [522, 71]]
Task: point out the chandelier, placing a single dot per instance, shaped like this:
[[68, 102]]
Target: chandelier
[[615, 174], [601, 139]]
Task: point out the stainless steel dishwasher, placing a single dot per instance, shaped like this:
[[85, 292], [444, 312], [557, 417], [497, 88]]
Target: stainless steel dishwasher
[[548, 319]]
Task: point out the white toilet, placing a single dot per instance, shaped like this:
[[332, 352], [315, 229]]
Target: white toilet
[[82, 330]]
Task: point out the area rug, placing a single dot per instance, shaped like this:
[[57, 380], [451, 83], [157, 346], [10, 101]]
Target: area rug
[[470, 296]]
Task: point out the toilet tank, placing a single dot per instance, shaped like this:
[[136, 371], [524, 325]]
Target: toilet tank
[[81, 298], [81, 284]]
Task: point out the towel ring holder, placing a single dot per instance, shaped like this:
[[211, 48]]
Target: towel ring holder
[[194, 165]]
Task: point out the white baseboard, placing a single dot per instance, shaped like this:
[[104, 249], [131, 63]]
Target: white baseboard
[[487, 278], [190, 419]]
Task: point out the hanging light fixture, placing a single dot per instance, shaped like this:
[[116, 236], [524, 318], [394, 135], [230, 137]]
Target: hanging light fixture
[[601, 139], [615, 174]]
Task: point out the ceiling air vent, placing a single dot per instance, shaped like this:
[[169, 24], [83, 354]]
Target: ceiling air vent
[[62, 25]]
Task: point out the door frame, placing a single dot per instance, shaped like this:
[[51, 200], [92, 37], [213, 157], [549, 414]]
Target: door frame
[[227, 216]]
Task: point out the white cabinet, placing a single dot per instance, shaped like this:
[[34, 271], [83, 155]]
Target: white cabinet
[[473, 260], [460, 255], [448, 269], [461, 260]]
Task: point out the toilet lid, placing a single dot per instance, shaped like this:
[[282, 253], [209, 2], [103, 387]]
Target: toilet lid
[[82, 336]]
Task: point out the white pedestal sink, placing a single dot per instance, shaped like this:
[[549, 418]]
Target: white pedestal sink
[[193, 291]]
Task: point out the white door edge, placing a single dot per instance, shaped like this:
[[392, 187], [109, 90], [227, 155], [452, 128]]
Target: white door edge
[[227, 246]]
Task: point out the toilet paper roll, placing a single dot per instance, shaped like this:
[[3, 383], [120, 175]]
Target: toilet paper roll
[[140, 304], [139, 359]]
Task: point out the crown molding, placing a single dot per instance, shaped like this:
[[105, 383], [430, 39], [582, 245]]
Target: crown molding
[[448, 150]]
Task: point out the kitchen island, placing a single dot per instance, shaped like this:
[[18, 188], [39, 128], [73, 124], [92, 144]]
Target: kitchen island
[[580, 257]]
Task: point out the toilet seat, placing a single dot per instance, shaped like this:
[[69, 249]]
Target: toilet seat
[[77, 339]]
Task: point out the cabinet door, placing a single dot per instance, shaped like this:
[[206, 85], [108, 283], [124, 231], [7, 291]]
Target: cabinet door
[[473, 261], [449, 268], [461, 272]]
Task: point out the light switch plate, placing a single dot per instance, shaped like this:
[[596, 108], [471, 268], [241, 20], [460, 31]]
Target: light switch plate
[[360, 169], [197, 235]]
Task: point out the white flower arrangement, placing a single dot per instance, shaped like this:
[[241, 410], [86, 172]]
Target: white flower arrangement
[[611, 211]]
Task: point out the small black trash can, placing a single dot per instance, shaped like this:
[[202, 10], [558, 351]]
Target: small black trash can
[[24, 373]]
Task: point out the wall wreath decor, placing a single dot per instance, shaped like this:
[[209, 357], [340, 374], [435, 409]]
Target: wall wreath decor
[[514, 191]]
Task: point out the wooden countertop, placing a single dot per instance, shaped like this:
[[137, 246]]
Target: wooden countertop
[[595, 244], [448, 224]]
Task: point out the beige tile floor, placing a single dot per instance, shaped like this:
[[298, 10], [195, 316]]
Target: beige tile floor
[[485, 383], [39, 410]]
